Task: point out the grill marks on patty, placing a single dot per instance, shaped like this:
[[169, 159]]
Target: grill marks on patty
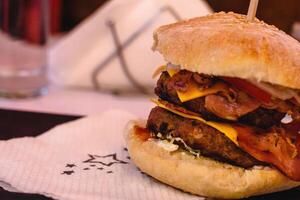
[[198, 135], [240, 107]]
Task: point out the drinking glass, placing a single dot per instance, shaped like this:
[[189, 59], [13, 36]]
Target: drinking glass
[[23, 47]]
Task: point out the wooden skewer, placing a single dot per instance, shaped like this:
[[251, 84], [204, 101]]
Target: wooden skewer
[[252, 10]]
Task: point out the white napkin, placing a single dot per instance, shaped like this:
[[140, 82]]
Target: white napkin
[[85, 159], [74, 58]]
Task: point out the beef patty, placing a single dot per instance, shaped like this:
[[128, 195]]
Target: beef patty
[[199, 136], [166, 90]]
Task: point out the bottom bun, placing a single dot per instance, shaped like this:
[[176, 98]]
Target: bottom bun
[[203, 176]]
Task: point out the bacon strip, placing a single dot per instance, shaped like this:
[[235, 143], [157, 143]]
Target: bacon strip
[[225, 109], [273, 148]]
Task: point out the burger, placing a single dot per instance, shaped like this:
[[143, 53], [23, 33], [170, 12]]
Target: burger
[[227, 117]]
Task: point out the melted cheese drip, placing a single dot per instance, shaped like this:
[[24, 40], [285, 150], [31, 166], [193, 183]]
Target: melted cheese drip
[[226, 129], [172, 71], [194, 92]]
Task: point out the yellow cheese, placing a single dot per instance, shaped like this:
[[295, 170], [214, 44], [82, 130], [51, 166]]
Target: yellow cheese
[[194, 92], [172, 71], [226, 129]]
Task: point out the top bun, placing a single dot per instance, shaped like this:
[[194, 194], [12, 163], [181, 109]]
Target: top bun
[[227, 44]]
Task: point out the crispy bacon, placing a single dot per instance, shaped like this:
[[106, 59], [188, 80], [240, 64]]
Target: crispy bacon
[[289, 107], [249, 88], [231, 110], [178, 108], [276, 148], [183, 78], [205, 81]]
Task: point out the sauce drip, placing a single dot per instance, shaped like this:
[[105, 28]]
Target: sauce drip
[[142, 133]]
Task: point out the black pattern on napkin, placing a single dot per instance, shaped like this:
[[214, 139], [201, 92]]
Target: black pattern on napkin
[[97, 162]]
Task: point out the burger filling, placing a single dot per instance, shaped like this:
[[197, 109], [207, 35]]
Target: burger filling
[[229, 119], [229, 104], [199, 136]]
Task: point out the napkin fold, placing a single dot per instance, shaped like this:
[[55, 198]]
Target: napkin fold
[[84, 159], [87, 57]]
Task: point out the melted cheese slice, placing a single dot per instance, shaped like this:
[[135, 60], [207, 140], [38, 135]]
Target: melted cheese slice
[[194, 92], [226, 129], [172, 71]]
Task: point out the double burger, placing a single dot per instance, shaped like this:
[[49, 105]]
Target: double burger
[[227, 117]]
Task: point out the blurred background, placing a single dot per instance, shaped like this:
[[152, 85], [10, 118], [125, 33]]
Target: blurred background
[[283, 14], [91, 55]]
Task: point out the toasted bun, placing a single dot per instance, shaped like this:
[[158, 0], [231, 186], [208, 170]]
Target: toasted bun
[[227, 44], [203, 176]]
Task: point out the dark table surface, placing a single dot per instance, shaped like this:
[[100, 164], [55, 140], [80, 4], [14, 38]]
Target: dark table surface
[[18, 124]]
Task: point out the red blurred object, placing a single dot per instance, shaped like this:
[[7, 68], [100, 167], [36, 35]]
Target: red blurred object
[[33, 21], [30, 20], [55, 16], [5, 6]]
